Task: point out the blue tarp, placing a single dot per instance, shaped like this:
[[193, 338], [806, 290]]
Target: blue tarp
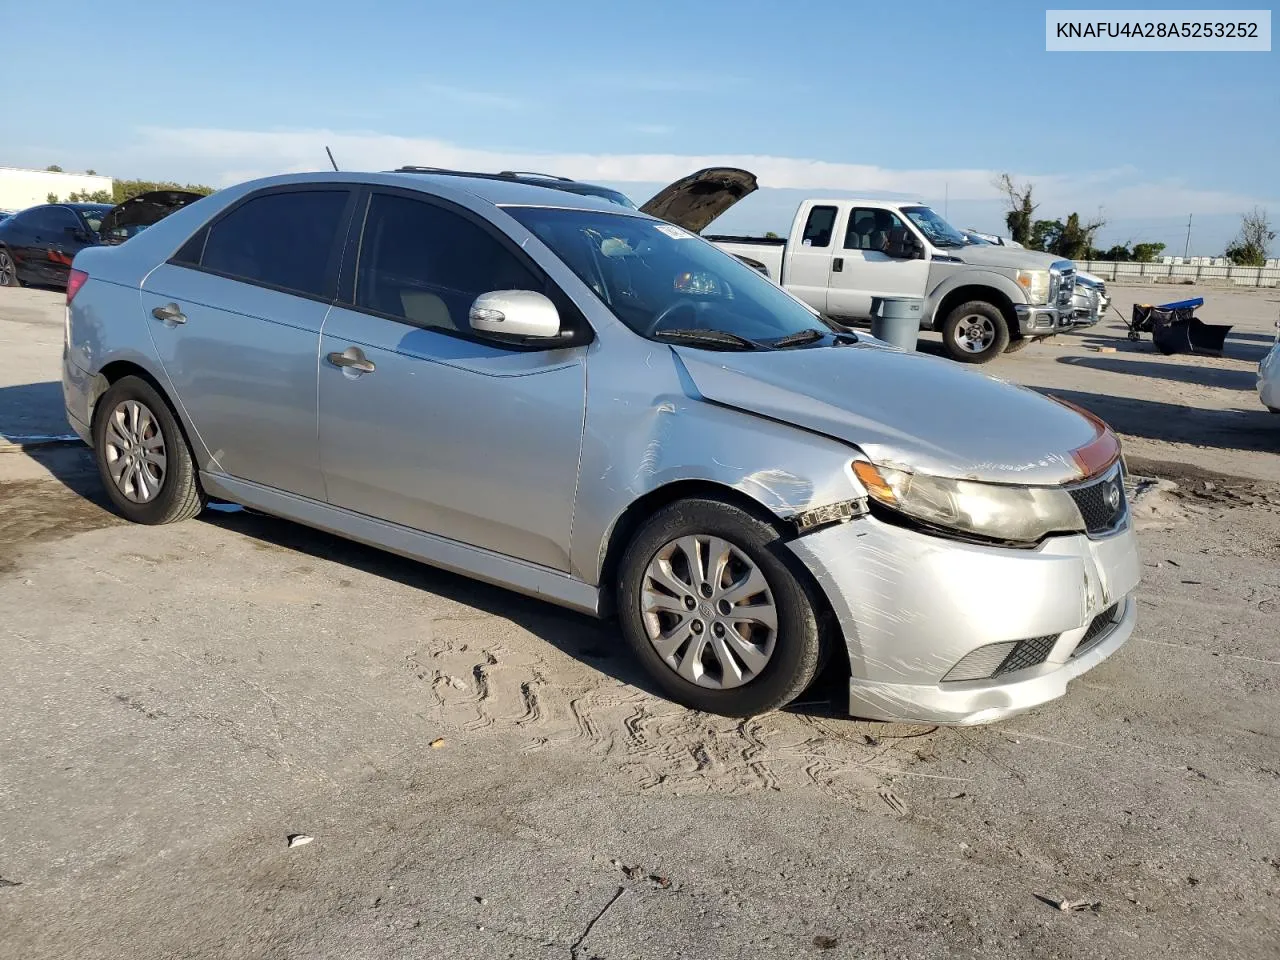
[[1183, 304]]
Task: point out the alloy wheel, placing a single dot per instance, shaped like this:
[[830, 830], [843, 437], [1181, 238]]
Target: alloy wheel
[[975, 333], [708, 612], [133, 447], [8, 270]]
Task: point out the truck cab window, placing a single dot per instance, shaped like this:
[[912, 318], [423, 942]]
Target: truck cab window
[[817, 229]]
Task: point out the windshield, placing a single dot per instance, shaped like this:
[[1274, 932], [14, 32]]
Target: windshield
[[936, 230], [658, 278]]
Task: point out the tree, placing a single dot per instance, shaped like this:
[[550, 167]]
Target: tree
[[91, 172], [1072, 240], [770, 235], [1147, 252], [53, 168], [1021, 209], [1251, 246], [50, 198], [125, 189], [84, 196], [1120, 252]]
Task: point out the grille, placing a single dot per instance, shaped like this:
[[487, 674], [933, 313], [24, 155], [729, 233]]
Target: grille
[[1091, 500], [997, 659], [1028, 653], [1062, 287], [1100, 627]]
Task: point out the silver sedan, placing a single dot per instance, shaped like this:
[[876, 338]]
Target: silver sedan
[[583, 403]]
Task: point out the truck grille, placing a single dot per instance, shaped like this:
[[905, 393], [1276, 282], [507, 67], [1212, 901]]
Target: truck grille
[[1101, 502]]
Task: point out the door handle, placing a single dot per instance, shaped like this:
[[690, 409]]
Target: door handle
[[837, 264], [352, 358], [169, 313]]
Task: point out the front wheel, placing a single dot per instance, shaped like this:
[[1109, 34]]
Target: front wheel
[[8, 270], [975, 332], [717, 611]]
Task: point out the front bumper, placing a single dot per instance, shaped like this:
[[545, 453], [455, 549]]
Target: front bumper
[[912, 606], [1042, 321]]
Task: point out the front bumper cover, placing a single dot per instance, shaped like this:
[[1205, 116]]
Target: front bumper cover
[[1042, 321], [911, 606]]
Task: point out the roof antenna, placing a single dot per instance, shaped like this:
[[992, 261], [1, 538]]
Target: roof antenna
[[331, 160]]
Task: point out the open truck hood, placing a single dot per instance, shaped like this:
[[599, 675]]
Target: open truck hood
[[125, 219], [903, 410], [693, 202]]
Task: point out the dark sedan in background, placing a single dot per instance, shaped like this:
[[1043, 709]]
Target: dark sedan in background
[[38, 244]]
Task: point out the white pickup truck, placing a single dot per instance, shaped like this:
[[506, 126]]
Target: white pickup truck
[[984, 299]]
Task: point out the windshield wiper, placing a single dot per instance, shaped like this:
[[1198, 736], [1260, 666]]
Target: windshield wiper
[[707, 338], [798, 338]]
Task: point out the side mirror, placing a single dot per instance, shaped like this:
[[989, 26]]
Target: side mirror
[[515, 313], [904, 248]]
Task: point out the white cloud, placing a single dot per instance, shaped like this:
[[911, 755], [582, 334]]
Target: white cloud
[[473, 98]]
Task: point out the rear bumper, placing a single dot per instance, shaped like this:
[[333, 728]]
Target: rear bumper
[[911, 607], [77, 387]]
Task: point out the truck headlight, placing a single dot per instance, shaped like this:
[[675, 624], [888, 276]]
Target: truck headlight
[[1036, 284], [1012, 514]]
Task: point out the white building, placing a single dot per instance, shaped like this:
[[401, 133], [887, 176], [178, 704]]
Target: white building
[[20, 188]]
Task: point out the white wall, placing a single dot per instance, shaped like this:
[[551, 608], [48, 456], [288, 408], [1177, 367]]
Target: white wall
[[20, 188]]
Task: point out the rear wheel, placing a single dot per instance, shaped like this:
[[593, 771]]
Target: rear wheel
[[142, 456], [8, 270], [716, 611], [975, 332]]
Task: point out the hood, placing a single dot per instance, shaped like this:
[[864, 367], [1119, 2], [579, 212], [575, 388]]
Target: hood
[[125, 219], [694, 201], [995, 255], [904, 410]]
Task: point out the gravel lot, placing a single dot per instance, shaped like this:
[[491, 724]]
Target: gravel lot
[[485, 776]]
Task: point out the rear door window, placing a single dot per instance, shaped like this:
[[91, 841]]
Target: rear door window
[[425, 265], [282, 240], [817, 229], [52, 220]]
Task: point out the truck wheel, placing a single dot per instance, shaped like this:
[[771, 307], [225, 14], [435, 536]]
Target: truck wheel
[[975, 332], [710, 603]]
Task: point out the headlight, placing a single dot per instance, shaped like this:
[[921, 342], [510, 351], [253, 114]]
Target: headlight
[[987, 510], [1036, 283]]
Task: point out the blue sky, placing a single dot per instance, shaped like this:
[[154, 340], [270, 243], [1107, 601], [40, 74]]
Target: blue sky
[[922, 99]]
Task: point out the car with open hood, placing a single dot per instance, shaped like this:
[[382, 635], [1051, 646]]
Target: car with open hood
[[550, 391], [38, 244]]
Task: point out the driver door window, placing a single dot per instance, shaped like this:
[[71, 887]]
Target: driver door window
[[425, 266], [870, 229]]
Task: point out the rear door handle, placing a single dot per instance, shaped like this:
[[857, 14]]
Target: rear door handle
[[169, 313], [352, 358], [837, 264]]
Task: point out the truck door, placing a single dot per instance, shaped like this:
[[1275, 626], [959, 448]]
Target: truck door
[[809, 255], [861, 269]]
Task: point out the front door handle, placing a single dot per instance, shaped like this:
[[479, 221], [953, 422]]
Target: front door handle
[[352, 358], [837, 264], [169, 313]]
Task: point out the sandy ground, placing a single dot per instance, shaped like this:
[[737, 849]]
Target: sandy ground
[[486, 776]]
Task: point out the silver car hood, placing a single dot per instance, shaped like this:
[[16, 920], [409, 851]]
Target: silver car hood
[[905, 410], [990, 255]]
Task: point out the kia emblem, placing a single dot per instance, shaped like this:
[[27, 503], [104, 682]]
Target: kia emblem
[[1112, 495]]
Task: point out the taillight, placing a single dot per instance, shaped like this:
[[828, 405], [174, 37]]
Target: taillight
[[75, 280]]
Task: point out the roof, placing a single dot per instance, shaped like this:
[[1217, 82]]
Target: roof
[[502, 192]]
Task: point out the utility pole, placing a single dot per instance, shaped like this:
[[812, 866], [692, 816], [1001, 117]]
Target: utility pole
[[1187, 249]]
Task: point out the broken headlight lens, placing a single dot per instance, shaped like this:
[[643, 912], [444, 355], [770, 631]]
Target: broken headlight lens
[[987, 510]]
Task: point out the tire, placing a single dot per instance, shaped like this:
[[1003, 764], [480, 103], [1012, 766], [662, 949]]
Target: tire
[[8, 270], [1018, 344], [781, 663], [963, 324], [127, 421]]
